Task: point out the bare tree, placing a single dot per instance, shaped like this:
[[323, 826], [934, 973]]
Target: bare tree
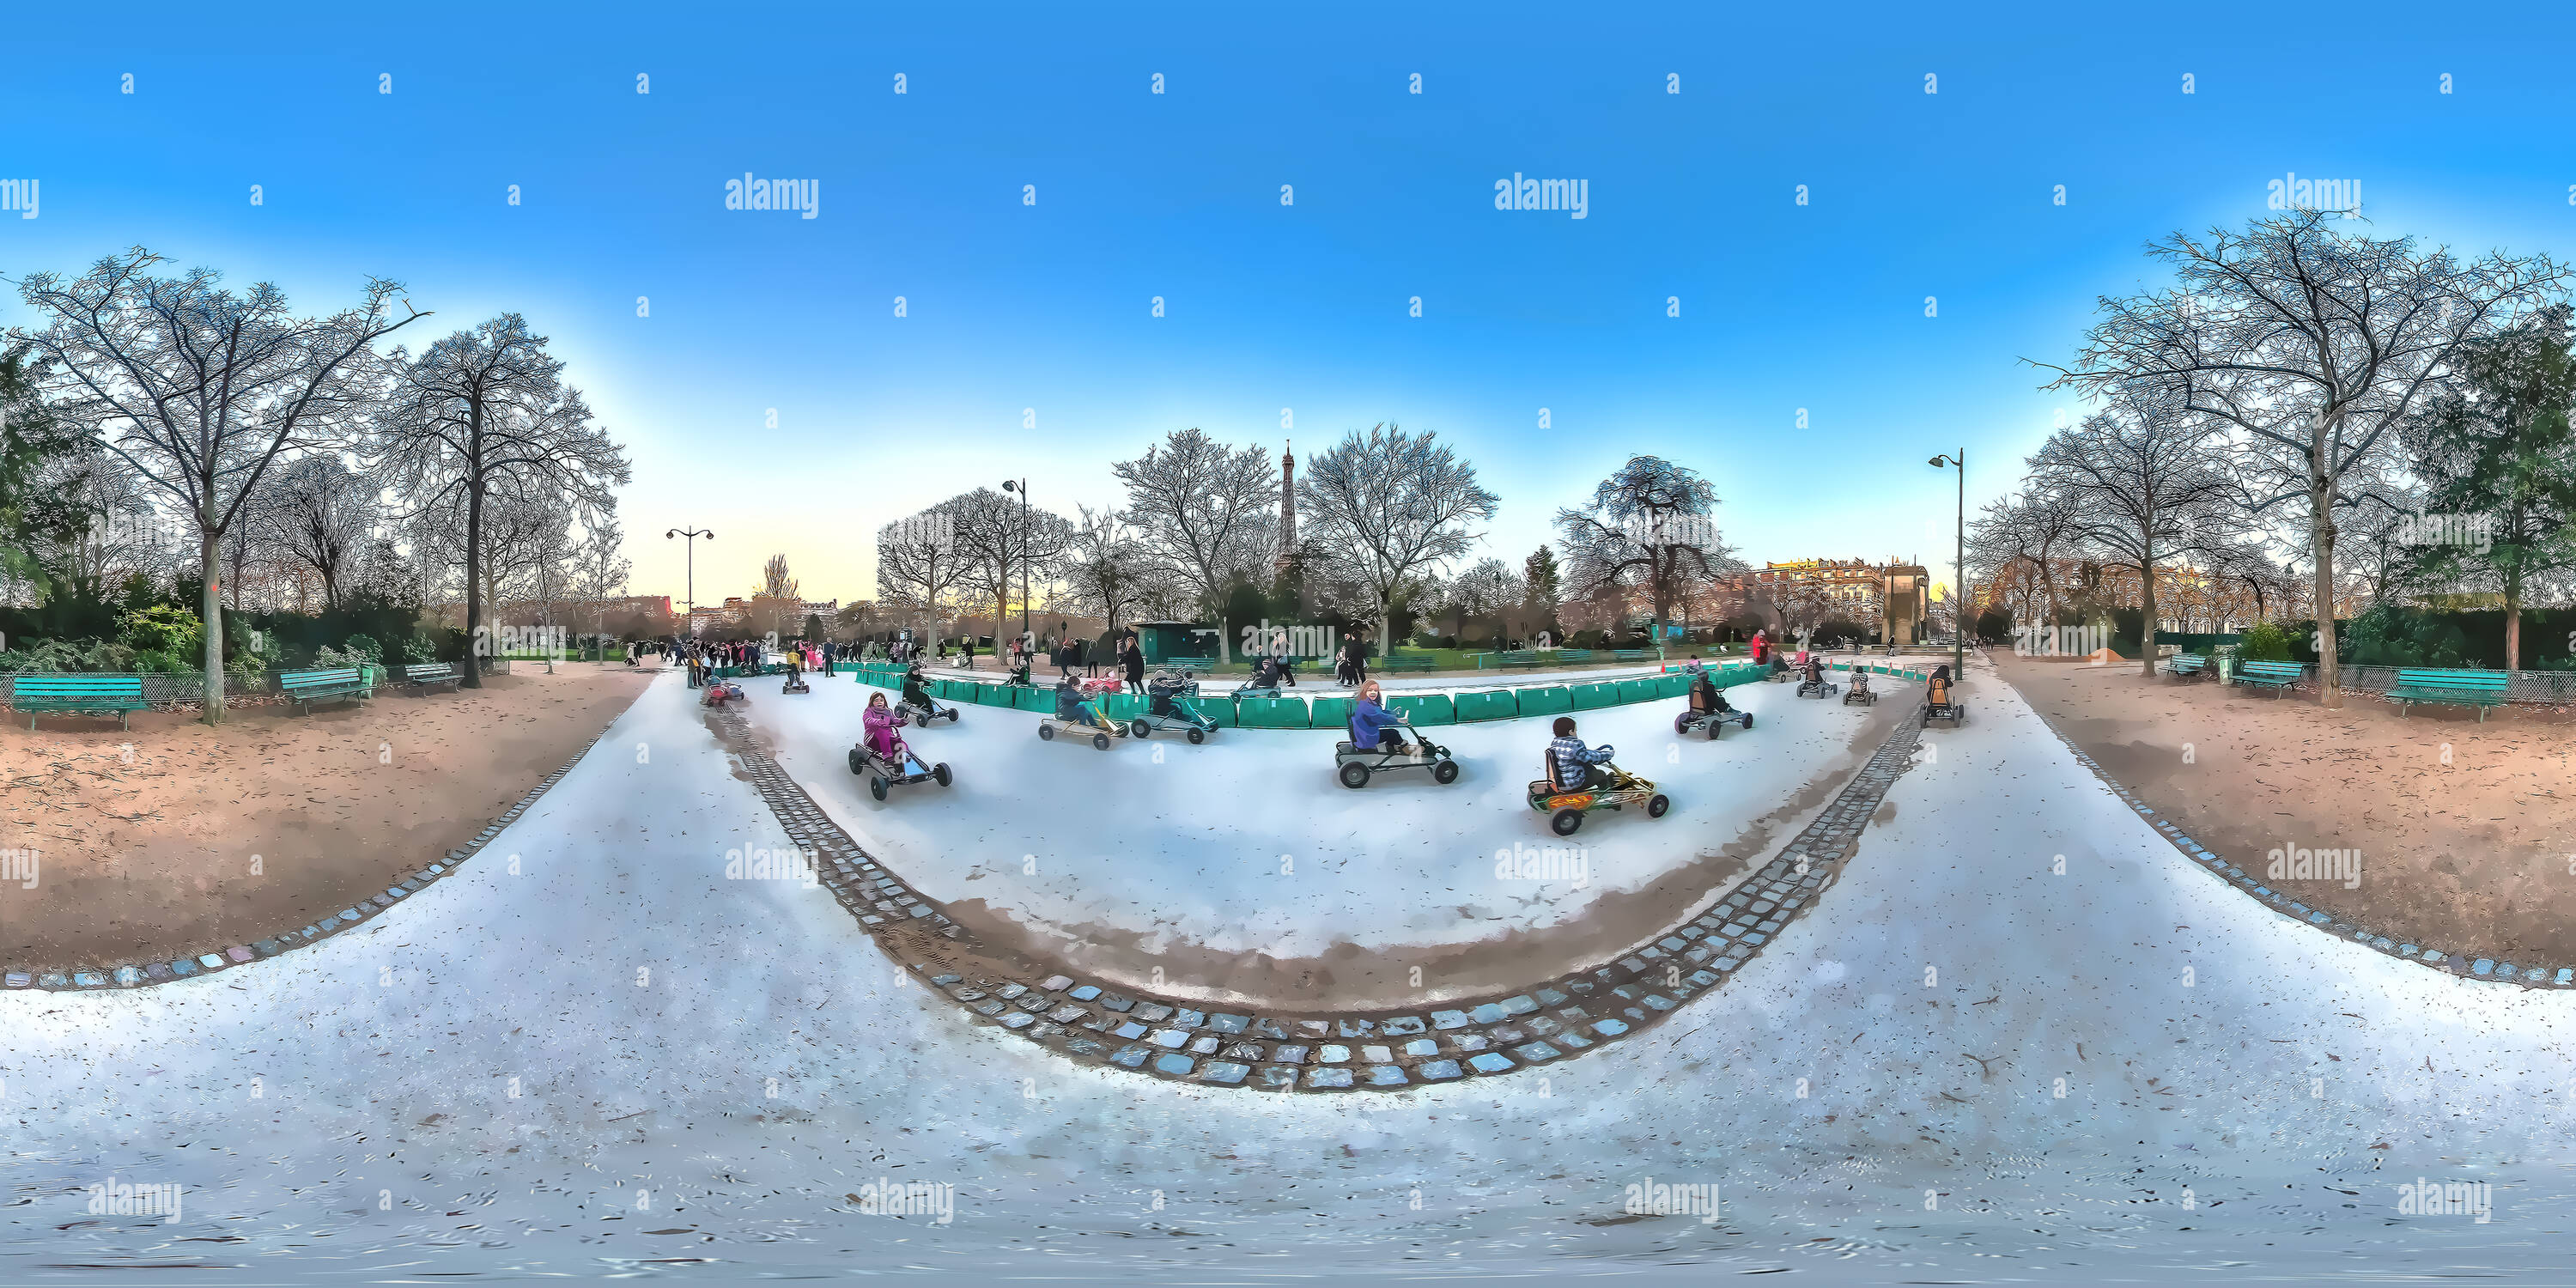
[[320, 513], [2314, 344], [1104, 572], [202, 390], [486, 411], [1203, 508], [919, 566], [1007, 547], [1648, 528], [2148, 484], [1384, 507]]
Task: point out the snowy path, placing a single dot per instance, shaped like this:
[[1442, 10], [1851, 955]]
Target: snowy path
[[288, 1097]]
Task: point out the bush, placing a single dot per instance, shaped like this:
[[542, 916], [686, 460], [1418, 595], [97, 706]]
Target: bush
[[2264, 642], [155, 662], [419, 648], [364, 647], [163, 628]]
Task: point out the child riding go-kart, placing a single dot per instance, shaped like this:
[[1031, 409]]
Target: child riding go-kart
[[1709, 709], [1860, 694], [917, 705], [1080, 712], [1939, 703], [795, 681], [1812, 682], [1375, 747], [1267, 675], [1168, 706], [1581, 779], [723, 693], [885, 758]]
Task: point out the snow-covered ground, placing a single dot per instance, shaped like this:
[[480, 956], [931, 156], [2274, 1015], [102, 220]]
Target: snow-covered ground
[[1161, 861], [344, 1111]]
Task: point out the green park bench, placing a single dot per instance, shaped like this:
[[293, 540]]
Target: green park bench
[[1574, 655], [2275, 676], [2186, 664], [87, 695], [423, 674], [1632, 654], [333, 684], [2480, 689], [1508, 658], [1404, 664], [1189, 665]]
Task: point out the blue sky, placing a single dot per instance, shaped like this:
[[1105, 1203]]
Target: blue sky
[[1304, 307]]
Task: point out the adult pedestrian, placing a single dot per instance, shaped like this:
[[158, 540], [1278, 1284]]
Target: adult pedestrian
[[1133, 658]]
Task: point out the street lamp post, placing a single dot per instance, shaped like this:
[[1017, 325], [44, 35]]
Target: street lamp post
[[692, 534], [1022, 487], [1958, 572]]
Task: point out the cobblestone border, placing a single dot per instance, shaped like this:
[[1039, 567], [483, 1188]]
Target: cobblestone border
[[130, 976], [1178, 1040], [2479, 968]]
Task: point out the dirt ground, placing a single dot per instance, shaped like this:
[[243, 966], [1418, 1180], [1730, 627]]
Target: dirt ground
[[178, 838], [2466, 831]]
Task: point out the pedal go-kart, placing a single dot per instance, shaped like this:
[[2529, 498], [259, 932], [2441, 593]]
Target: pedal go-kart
[[1709, 710], [1168, 707], [1860, 694], [724, 693], [1100, 733], [1815, 685], [883, 773], [1939, 705], [1353, 764], [795, 683], [1565, 810], [916, 704]]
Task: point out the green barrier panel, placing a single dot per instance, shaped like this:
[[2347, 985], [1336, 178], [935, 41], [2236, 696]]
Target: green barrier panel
[[1271, 713], [1427, 708], [994, 695], [1219, 711], [1677, 685], [1123, 706], [1330, 713], [1598, 694], [1547, 701], [1487, 706], [1640, 690], [1041, 701]]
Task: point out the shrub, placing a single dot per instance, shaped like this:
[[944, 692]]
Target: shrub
[[2264, 642], [364, 648], [154, 661], [163, 628], [419, 648]]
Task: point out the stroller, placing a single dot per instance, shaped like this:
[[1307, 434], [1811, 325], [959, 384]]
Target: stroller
[[1168, 706], [1709, 710], [1939, 703]]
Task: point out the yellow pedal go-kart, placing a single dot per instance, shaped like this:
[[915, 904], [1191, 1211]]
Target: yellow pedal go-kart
[[1565, 810]]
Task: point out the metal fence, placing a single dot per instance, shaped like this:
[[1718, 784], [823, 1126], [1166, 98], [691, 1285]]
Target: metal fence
[[169, 688]]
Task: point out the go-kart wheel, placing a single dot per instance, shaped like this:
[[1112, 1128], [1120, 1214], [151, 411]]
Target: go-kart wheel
[[921, 722], [1681, 724], [857, 766], [1714, 728], [1100, 742], [940, 772], [1657, 804], [1445, 773], [877, 788], [1355, 775], [955, 714], [1748, 720], [1564, 821], [1046, 732], [1197, 735], [1139, 728]]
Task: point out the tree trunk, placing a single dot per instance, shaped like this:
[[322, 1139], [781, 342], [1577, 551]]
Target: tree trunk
[[2513, 619], [2321, 530], [2147, 620], [210, 549], [473, 672]]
